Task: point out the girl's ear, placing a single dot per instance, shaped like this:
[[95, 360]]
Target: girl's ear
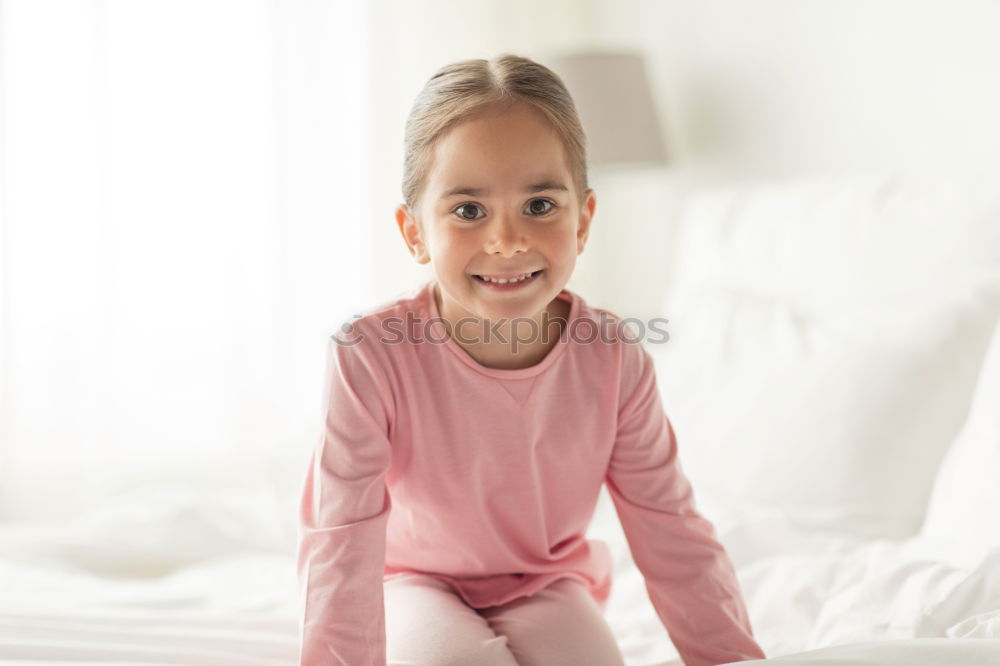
[[586, 216], [411, 233]]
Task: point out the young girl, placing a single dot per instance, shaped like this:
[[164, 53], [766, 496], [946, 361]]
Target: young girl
[[471, 422]]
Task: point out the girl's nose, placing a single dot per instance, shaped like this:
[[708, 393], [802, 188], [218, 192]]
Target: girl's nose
[[505, 237]]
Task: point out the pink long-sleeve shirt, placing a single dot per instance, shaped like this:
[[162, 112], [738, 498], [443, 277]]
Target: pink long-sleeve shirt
[[487, 479]]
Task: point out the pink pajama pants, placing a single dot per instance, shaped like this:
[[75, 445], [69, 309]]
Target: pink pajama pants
[[428, 624]]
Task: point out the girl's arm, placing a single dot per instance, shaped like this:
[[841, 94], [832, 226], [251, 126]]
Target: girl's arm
[[689, 577], [344, 511]]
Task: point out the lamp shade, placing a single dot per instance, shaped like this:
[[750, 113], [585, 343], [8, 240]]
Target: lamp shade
[[613, 99]]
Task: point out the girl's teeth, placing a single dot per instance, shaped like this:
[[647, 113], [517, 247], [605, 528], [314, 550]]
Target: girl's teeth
[[505, 281]]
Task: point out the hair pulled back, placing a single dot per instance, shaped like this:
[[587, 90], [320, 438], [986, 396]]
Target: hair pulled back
[[460, 90]]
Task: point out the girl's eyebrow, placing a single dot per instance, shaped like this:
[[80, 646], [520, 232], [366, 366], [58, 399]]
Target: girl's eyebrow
[[479, 192]]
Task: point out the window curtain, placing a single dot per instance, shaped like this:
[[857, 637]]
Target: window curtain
[[184, 192]]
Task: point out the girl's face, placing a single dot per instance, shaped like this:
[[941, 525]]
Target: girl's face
[[499, 200]]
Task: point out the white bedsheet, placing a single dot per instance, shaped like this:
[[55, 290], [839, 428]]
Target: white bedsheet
[[229, 610], [208, 579], [906, 652]]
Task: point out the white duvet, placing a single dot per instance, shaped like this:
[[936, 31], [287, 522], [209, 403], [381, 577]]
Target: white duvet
[[830, 589], [203, 579]]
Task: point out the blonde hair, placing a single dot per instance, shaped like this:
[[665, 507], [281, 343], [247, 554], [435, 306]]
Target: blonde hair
[[461, 89]]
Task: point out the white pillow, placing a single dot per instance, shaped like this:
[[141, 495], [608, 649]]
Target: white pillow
[[839, 423], [825, 340], [964, 508], [832, 245]]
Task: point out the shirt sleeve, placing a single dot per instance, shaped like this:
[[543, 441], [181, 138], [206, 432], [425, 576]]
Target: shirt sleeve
[[344, 512], [690, 579]]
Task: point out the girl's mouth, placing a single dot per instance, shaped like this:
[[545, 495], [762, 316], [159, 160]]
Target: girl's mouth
[[509, 285]]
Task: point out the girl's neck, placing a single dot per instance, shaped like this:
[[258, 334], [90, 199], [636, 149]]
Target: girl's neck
[[505, 354]]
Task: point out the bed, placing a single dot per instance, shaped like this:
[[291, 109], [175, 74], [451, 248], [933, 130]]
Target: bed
[[833, 376]]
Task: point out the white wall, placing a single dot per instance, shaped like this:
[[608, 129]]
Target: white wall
[[785, 85]]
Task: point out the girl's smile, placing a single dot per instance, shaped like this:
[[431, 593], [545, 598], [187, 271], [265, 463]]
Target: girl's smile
[[507, 281]]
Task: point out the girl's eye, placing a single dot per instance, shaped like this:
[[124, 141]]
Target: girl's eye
[[534, 210], [462, 215]]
